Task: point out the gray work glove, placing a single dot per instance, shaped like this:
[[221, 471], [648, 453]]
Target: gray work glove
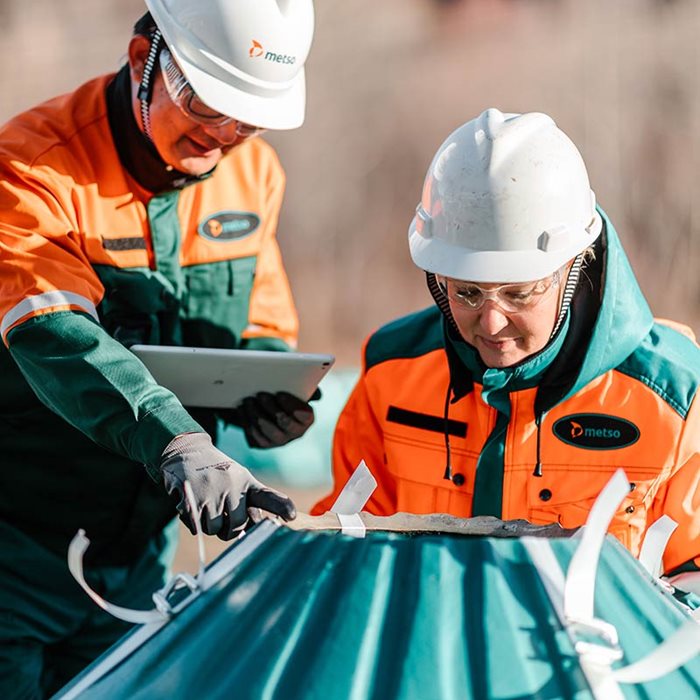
[[271, 420], [223, 489]]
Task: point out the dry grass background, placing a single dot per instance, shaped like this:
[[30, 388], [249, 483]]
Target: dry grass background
[[388, 81]]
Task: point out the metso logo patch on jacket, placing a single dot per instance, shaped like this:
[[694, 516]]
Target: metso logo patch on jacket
[[228, 225], [596, 431]]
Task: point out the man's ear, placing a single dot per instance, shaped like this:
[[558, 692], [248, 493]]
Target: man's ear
[[139, 46]]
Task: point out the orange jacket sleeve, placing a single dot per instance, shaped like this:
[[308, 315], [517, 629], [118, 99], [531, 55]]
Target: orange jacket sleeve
[[43, 267]]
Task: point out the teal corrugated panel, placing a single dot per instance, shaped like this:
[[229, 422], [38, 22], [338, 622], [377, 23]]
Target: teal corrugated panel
[[321, 615]]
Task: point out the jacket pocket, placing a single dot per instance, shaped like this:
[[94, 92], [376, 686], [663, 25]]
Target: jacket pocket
[[217, 301], [417, 465], [566, 496]]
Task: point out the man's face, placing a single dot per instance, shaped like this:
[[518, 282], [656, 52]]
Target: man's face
[[187, 145], [182, 142], [502, 336]]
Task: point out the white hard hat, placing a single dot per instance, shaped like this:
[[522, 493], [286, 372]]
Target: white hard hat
[[506, 199], [243, 58]]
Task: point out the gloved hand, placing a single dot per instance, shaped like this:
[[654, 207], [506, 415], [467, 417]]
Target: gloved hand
[[223, 489], [271, 420]]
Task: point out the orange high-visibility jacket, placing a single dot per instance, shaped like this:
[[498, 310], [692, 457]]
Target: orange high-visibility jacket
[[92, 262], [538, 441]]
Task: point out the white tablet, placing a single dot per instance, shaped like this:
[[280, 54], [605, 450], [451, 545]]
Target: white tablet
[[213, 378]]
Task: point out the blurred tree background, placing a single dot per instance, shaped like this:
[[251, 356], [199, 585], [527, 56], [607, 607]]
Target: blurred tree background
[[388, 81]]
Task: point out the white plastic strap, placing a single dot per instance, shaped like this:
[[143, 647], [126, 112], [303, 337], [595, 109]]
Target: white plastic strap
[[579, 590], [352, 499], [79, 545], [573, 601], [356, 492], [218, 570], [681, 646], [352, 524], [595, 664], [595, 659], [655, 541], [76, 550]]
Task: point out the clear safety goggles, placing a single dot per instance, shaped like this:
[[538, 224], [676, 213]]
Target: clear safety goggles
[[509, 297], [182, 94]]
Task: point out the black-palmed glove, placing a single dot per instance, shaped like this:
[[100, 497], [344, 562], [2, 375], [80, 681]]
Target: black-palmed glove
[[223, 489], [271, 420]]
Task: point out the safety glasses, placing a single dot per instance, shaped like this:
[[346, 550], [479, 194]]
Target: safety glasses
[[509, 297], [181, 93]]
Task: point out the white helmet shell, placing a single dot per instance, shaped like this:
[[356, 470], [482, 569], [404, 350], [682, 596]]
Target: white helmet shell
[[243, 58], [506, 199]]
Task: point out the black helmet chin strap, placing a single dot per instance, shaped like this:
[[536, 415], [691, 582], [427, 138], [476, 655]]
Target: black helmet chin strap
[[146, 87], [440, 299]]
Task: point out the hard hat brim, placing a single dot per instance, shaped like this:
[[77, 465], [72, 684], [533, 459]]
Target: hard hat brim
[[442, 258]]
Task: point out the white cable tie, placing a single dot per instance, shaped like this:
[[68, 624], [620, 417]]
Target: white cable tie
[[672, 653], [579, 589], [654, 545], [352, 524], [76, 550], [356, 492]]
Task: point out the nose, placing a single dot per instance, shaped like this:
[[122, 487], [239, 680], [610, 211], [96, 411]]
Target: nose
[[492, 318]]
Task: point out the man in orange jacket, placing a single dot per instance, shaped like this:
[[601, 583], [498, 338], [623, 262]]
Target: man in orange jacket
[[540, 370], [141, 208]]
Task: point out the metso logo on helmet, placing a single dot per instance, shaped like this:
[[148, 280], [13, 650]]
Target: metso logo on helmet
[[257, 50], [506, 199], [232, 72]]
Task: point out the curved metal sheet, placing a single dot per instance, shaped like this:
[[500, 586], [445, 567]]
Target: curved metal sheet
[[319, 615]]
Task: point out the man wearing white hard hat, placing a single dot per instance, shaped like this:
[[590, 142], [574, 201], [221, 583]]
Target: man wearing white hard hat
[[540, 369], [141, 208]]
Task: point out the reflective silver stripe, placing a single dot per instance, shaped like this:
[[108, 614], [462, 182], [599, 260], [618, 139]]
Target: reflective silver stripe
[[46, 301]]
